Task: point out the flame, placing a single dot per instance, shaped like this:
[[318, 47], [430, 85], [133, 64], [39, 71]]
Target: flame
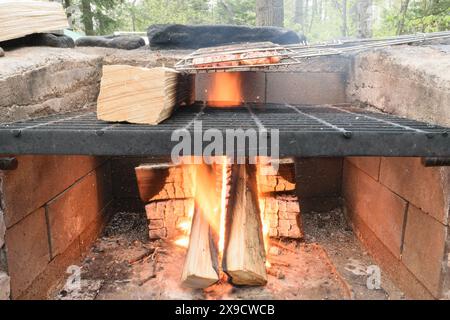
[[223, 206], [214, 206], [185, 227], [207, 201], [182, 241], [264, 216], [225, 89]]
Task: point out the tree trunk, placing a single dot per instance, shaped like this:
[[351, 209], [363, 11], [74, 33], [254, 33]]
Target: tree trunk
[[270, 13], [344, 29], [133, 15], [298, 14], [363, 19], [66, 5], [401, 22], [313, 14], [87, 17]]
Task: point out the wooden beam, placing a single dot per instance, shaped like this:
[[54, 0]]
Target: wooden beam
[[21, 18], [244, 258], [142, 95]]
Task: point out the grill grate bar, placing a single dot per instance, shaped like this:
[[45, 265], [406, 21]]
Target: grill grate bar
[[304, 130], [255, 118], [380, 120], [321, 120]]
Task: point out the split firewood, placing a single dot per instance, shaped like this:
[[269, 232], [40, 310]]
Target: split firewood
[[21, 18], [142, 95], [201, 265], [244, 249]]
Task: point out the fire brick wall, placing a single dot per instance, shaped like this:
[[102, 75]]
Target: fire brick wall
[[399, 208], [53, 209]]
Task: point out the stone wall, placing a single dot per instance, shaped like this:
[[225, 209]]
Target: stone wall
[[409, 81], [399, 208], [54, 208], [37, 81]]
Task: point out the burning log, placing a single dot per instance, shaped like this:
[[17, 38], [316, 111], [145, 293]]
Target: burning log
[[244, 258], [201, 265], [142, 95], [162, 181]]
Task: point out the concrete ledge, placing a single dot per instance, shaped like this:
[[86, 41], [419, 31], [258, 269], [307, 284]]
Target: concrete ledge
[[410, 81], [35, 81]]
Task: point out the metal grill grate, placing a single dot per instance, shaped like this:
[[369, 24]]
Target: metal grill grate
[[303, 131]]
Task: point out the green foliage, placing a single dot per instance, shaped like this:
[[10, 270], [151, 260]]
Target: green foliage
[[322, 20]]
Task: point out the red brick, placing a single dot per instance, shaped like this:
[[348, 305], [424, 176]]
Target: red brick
[[158, 233], [382, 210], [152, 212], [70, 213], [426, 188], [424, 248], [27, 251], [370, 165], [305, 88], [156, 224], [39, 179]]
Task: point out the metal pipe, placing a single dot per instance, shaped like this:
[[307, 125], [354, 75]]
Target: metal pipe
[[436, 162]]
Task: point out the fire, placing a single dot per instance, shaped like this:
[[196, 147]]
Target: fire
[[264, 217], [213, 205], [225, 89], [182, 242], [185, 227], [223, 206], [207, 201]]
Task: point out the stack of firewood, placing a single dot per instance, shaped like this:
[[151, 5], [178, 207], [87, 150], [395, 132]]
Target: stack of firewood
[[142, 95], [21, 18]]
